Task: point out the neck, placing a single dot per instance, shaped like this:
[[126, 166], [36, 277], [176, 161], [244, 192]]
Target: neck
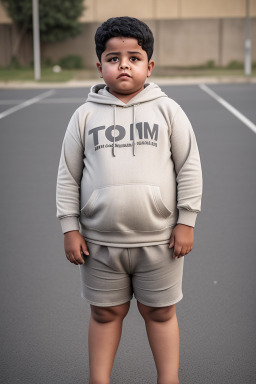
[[126, 98]]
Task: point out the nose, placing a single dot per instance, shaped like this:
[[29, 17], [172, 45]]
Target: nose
[[124, 64]]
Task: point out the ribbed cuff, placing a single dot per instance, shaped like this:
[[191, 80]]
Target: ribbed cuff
[[187, 217], [69, 223]]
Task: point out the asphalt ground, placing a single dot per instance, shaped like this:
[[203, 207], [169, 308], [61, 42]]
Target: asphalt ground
[[44, 320]]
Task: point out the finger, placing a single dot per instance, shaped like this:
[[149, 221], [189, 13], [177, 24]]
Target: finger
[[82, 257], [183, 253], [171, 241], [188, 250], [85, 249], [72, 259], [79, 258], [177, 250], [68, 256]]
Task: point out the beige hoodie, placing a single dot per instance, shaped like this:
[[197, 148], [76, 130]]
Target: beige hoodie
[[128, 173]]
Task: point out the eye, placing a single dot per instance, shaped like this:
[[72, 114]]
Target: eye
[[134, 58], [113, 59]]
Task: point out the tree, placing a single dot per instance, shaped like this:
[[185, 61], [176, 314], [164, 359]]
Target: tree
[[58, 19]]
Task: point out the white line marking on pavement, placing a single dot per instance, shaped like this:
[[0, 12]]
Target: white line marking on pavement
[[48, 101], [26, 103], [228, 106]]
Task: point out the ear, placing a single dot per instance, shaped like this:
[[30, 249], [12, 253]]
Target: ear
[[151, 65], [99, 67]]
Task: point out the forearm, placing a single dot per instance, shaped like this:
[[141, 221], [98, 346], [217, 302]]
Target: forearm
[[69, 178], [187, 163]]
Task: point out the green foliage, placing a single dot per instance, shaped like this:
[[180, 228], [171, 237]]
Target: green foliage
[[48, 63], [210, 64], [58, 18], [234, 64], [14, 63], [71, 62], [27, 74]]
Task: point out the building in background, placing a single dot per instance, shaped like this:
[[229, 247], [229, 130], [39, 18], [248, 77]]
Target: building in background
[[187, 32]]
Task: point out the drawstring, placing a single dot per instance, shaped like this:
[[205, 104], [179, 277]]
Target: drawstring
[[133, 144], [133, 132], [114, 143]]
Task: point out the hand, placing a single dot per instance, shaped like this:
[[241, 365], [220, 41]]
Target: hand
[[75, 246], [182, 238]]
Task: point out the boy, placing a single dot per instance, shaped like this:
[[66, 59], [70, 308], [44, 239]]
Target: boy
[[128, 192]]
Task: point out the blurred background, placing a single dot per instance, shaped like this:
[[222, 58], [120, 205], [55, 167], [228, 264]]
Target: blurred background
[[191, 36]]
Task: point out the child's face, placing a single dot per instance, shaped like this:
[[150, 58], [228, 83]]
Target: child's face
[[124, 67]]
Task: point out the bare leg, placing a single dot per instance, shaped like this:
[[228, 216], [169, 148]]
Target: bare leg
[[163, 335], [105, 330]]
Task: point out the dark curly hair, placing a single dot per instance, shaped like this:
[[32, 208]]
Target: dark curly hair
[[127, 27]]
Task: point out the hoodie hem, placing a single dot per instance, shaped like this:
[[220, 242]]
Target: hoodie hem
[[130, 240], [126, 245]]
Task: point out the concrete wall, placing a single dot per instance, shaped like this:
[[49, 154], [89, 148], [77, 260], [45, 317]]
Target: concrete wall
[[8, 37], [82, 45], [177, 42], [187, 42], [100, 10], [187, 32]]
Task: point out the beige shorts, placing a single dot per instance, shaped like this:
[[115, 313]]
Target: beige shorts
[[111, 275]]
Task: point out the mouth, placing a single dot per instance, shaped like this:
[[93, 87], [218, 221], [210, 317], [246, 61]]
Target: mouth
[[123, 75]]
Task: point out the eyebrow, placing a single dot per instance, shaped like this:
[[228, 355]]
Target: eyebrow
[[119, 53]]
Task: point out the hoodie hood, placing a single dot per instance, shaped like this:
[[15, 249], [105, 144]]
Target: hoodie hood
[[100, 94]]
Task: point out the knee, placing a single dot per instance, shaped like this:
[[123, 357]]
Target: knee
[[109, 314], [161, 314]]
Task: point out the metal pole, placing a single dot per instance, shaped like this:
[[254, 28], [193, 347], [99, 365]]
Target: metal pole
[[36, 40], [247, 45]]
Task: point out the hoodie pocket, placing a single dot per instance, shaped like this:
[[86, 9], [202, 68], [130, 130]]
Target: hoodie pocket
[[130, 207]]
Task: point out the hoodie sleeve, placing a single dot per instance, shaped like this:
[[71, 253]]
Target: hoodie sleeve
[[187, 163], [69, 177]]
